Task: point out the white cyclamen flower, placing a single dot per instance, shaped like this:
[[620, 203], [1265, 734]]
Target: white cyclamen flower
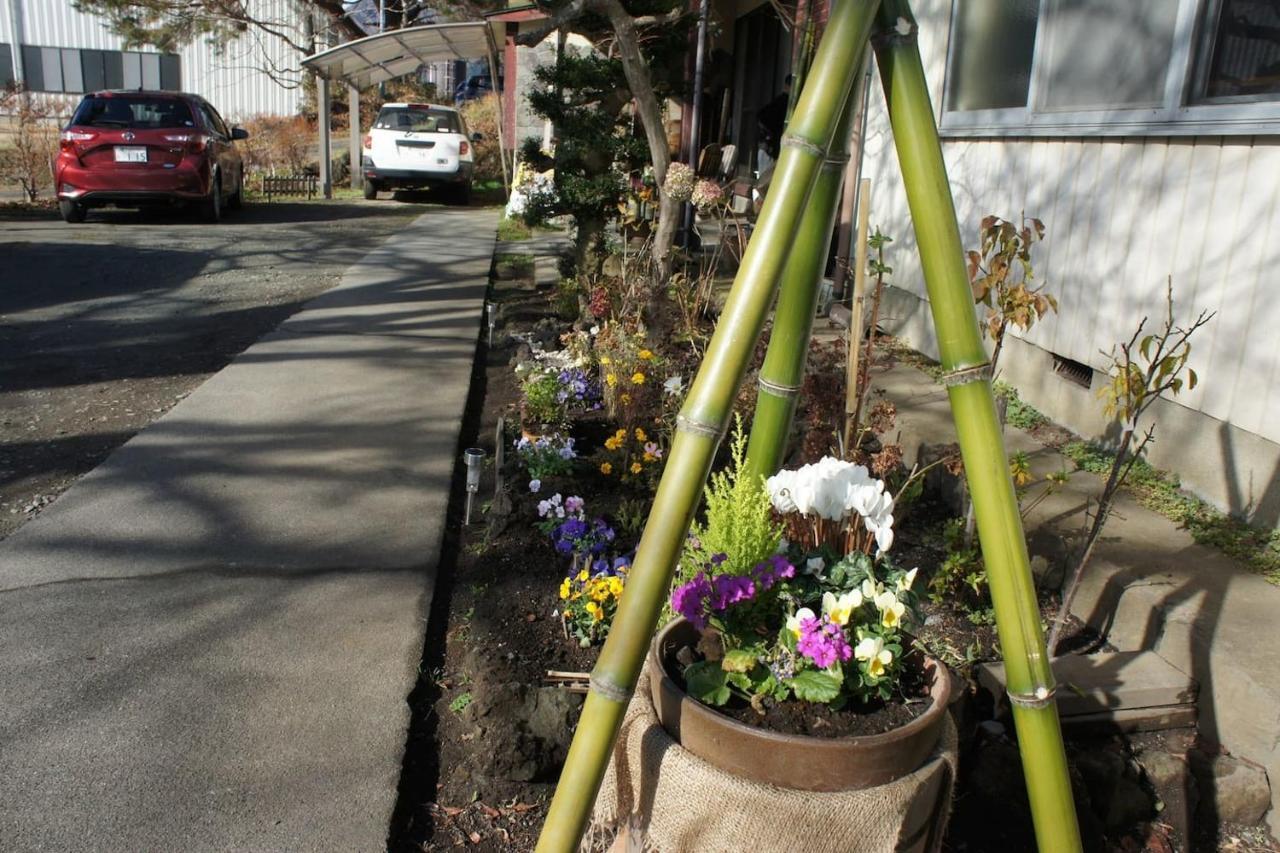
[[780, 486]]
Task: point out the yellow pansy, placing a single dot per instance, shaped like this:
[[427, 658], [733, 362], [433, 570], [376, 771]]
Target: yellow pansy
[[606, 469], [611, 378], [625, 398], [612, 443], [640, 435], [597, 613], [891, 609], [636, 467], [615, 586], [872, 650], [564, 588], [637, 378], [840, 609], [604, 359], [582, 576], [645, 355]]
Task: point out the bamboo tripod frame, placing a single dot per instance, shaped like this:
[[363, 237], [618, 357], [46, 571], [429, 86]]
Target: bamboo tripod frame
[[787, 249]]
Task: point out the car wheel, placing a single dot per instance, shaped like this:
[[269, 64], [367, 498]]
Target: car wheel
[[235, 200], [72, 211], [370, 189], [211, 207]]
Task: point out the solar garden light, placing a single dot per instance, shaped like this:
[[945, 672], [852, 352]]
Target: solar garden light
[[474, 457], [491, 313]]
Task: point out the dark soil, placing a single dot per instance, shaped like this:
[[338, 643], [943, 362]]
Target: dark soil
[[795, 718]]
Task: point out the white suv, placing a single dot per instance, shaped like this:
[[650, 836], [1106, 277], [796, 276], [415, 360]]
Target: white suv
[[412, 146]]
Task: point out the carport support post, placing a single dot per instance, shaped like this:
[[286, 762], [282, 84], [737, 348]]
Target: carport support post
[[325, 103], [353, 121]]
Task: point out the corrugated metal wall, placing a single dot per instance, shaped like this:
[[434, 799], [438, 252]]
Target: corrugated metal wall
[[231, 76], [1122, 215]]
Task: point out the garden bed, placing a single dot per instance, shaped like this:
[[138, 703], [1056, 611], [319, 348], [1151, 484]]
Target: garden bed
[[490, 731]]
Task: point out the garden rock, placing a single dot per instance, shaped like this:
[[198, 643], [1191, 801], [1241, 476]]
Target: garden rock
[[1171, 778], [1231, 790]]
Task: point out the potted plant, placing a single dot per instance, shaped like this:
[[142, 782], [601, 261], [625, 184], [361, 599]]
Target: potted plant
[[797, 670]]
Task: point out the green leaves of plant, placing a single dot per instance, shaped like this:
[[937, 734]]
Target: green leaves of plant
[[814, 686], [707, 682], [738, 660]]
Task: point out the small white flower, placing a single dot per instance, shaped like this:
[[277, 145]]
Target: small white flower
[[673, 386], [595, 330], [905, 582], [814, 566], [535, 486]]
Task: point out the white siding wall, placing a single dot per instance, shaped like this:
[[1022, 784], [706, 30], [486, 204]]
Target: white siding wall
[[1122, 215], [232, 79]]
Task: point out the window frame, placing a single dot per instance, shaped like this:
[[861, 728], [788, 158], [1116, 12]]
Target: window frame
[[1178, 115]]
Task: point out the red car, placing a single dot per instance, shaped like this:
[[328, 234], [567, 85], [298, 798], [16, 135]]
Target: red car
[[136, 148]]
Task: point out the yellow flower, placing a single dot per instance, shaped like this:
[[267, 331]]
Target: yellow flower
[[640, 436], [599, 590], [625, 398], [649, 457], [612, 443], [636, 467], [606, 469], [891, 610], [615, 586], [637, 378], [611, 378], [582, 575], [597, 613], [564, 589], [645, 355], [620, 435], [604, 359]]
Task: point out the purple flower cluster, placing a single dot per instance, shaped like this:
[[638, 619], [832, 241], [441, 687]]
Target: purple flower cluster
[[698, 599], [577, 388], [579, 536], [823, 642]]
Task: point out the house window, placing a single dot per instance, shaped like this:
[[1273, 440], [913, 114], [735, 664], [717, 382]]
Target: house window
[[1141, 67], [53, 69], [6, 65]]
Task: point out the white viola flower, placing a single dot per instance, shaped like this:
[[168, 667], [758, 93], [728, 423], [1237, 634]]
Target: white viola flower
[[814, 566], [534, 486], [891, 609], [793, 622], [877, 657], [840, 609], [673, 386], [871, 588], [905, 582]]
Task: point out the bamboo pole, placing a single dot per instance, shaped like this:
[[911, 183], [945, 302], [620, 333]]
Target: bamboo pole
[[852, 395], [782, 373], [703, 421], [968, 381]]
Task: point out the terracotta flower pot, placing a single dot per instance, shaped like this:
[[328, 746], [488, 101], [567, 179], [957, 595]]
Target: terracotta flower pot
[[790, 761]]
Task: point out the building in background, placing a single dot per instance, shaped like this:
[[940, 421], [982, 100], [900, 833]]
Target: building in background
[[1144, 136], [50, 47]]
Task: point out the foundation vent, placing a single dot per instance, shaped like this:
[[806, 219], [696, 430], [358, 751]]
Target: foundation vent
[[1074, 372]]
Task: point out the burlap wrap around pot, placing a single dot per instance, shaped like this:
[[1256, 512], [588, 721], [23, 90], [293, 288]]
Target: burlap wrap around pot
[[657, 791]]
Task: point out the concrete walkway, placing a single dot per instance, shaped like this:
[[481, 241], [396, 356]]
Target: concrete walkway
[[207, 643], [1149, 586]]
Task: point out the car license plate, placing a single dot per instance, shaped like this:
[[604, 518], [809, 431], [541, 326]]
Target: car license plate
[[416, 152], [131, 154]]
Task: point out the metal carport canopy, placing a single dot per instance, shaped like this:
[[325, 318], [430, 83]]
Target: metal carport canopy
[[395, 53]]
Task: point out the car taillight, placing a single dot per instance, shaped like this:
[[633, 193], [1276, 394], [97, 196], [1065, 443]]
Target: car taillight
[[368, 141], [69, 140], [463, 148], [194, 142]]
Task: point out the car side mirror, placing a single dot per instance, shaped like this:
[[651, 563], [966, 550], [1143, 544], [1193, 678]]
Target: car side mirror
[[239, 133], [477, 137]]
